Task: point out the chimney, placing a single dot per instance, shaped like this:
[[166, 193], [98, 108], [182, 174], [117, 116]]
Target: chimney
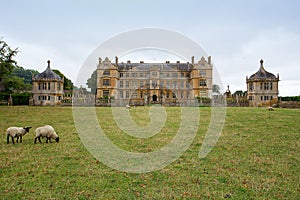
[[141, 61], [116, 60], [128, 61], [167, 61], [209, 60], [193, 59]]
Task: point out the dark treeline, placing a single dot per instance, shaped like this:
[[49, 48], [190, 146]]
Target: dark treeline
[[290, 98]]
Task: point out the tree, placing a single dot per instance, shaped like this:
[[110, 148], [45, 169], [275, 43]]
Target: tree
[[238, 93], [92, 82], [68, 84], [15, 83], [7, 64], [216, 89], [24, 73]]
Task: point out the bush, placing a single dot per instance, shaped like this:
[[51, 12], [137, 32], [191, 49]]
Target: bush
[[18, 98]]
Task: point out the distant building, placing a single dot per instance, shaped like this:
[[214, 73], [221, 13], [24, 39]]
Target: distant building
[[228, 92], [47, 88], [262, 87], [154, 83]]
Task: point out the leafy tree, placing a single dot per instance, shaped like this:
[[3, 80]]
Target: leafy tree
[[92, 82], [216, 89], [15, 83], [68, 84], [24, 73], [7, 64], [239, 93]]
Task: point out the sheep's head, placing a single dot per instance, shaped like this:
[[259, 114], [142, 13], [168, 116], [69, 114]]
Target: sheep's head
[[27, 128], [57, 139]]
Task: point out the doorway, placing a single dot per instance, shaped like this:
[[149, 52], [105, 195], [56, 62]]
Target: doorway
[[154, 98]]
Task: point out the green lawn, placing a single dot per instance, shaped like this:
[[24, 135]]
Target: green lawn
[[256, 157]]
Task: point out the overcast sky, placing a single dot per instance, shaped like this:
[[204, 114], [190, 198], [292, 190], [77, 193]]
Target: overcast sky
[[237, 34]]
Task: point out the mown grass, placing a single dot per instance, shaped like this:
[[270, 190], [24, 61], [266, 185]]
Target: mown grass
[[256, 157]]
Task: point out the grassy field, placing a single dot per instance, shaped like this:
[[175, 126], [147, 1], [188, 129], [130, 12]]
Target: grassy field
[[256, 157]]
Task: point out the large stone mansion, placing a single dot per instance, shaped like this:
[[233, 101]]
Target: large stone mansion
[[154, 83]]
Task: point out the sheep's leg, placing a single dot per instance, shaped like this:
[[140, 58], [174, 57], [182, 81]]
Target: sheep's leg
[[50, 140], [37, 138], [21, 139], [47, 139], [13, 141], [7, 138], [17, 139]]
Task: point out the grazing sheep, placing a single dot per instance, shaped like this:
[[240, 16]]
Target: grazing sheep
[[16, 132], [270, 108], [46, 131], [127, 106]]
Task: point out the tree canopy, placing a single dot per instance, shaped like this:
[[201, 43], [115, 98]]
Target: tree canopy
[[68, 84], [7, 63], [92, 82], [15, 83], [216, 89], [24, 73]]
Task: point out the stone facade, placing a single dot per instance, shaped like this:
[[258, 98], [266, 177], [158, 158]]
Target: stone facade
[[47, 88], [154, 83], [262, 88]]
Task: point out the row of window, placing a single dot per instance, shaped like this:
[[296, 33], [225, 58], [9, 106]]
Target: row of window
[[263, 86], [266, 98], [168, 84], [262, 98], [140, 94], [44, 86], [47, 86], [155, 74], [44, 98]]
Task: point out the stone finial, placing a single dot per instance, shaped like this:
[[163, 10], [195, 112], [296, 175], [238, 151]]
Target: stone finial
[[261, 62], [193, 59], [262, 69], [48, 63], [100, 60]]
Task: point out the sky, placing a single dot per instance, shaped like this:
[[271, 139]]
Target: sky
[[235, 33]]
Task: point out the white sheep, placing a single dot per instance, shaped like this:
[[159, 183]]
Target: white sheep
[[45, 131], [16, 132], [270, 108], [127, 106]]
